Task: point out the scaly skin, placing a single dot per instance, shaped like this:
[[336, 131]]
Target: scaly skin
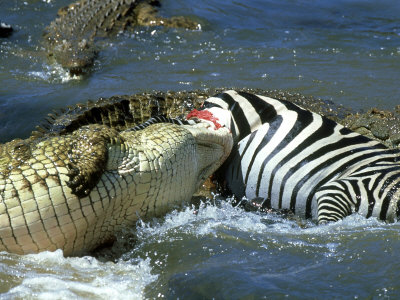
[[70, 39], [119, 112], [75, 192]]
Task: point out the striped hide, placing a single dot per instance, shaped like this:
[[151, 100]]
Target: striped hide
[[297, 160]]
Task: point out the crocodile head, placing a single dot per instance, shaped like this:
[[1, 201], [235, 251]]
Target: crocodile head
[[77, 57]]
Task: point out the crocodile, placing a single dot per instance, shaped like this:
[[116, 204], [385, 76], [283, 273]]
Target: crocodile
[[70, 39], [76, 191]]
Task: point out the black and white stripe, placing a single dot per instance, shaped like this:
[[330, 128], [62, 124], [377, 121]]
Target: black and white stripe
[[298, 160]]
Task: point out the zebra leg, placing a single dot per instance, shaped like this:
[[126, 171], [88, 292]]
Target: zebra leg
[[333, 202]]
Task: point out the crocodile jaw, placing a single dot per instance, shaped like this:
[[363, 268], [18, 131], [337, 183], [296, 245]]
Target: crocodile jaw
[[214, 147]]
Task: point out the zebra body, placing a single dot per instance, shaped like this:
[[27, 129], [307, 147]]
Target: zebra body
[[301, 161]]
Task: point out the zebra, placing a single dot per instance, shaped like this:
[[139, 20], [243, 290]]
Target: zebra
[[289, 158]]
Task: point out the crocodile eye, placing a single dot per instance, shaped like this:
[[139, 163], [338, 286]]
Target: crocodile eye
[[20, 147], [83, 43]]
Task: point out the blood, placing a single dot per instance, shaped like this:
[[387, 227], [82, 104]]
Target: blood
[[204, 115]]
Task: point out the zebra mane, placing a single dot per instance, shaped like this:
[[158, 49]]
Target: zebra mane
[[248, 111]]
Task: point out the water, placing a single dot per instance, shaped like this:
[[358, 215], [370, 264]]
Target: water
[[220, 251], [345, 51]]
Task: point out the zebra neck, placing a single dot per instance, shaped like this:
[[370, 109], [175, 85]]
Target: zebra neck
[[247, 112]]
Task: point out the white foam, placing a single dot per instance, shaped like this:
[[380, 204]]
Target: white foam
[[352, 223], [209, 218], [53, 73], [49, 275], [223, 219]]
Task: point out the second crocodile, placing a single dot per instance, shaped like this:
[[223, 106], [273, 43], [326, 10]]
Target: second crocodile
[[71, 38]]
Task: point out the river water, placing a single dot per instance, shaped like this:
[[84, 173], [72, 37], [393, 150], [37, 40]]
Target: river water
[[346, 51]]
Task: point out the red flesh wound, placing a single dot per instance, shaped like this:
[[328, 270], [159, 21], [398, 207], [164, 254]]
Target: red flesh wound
[[204, 115]]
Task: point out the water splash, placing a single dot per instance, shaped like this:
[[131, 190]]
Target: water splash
[[49, 275], [53, 73]]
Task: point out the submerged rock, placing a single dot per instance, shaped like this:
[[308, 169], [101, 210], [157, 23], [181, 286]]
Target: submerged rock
[[5, 30]]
